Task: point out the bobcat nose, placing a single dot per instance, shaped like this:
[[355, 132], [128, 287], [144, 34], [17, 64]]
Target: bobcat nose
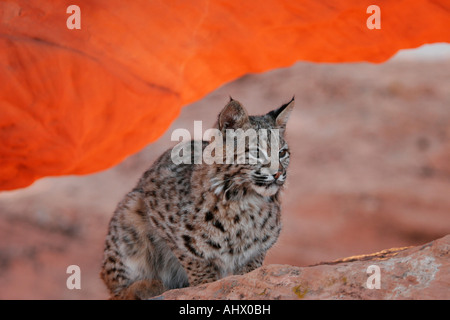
[[278, 174]]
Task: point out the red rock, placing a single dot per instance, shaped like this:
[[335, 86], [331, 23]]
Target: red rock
[[421, 272], [355, 181], [80, 101]]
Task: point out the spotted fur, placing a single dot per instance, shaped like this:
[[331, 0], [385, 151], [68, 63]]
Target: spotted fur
[[187, 224]]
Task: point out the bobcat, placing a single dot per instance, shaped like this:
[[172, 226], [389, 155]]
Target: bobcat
[[187, 224]]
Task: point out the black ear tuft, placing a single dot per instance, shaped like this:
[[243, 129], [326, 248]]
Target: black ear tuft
[[275, 113], [281, 114]]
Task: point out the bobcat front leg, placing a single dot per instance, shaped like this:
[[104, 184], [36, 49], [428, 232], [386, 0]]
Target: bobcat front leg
[[198, 271], [251, 265]]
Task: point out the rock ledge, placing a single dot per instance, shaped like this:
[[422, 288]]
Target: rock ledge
[[421, 272]]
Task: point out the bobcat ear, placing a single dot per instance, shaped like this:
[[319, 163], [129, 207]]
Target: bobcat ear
[[281, 115], [233, 116]]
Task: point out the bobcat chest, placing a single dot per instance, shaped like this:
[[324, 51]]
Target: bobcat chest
[[241, 231]]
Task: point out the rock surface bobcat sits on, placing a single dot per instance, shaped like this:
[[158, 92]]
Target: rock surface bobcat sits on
[[186, 224]]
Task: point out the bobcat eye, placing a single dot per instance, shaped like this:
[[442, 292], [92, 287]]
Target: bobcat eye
[[282, 153]]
